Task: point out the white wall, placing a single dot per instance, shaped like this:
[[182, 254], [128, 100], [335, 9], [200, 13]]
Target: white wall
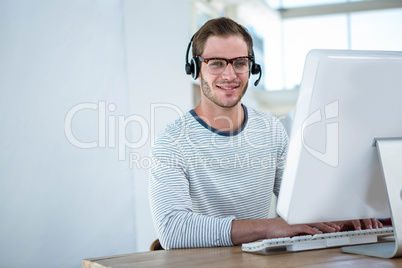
[[157, 33], [60, 203]]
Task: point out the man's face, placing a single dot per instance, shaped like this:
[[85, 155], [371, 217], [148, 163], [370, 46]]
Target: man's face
[[226, 89]]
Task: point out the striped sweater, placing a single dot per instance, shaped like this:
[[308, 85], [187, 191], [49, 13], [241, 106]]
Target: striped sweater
[[201, 179]]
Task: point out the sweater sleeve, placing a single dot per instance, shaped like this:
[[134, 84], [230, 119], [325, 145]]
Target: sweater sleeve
[[176, 224]]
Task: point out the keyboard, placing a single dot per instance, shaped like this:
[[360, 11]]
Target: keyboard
[[326, 240]]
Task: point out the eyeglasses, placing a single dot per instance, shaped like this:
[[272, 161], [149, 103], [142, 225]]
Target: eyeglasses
[[216, 66]]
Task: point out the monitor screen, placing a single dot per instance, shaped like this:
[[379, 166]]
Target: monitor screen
[[347, 98]]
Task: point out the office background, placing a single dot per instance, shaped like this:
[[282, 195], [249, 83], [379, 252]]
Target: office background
[[86, 85]]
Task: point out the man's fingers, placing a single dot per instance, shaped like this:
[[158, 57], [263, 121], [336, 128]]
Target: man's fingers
[[310, 230], [327, 227], [376, 224], [367, 224], [356, 224], [380, 225], [334, 225]]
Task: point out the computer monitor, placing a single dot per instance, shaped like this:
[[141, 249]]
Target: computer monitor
[[347, 99]]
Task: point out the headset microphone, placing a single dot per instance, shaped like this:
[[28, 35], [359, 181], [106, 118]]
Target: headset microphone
[[259, 77], [192, 67], [256, 69]]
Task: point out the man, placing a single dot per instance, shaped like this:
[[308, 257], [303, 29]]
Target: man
[[214, 170]]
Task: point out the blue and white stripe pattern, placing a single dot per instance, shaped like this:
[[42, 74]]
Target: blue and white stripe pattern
[[201, 179]]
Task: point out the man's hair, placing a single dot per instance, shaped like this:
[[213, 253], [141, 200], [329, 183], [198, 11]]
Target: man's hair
[[221, 27]]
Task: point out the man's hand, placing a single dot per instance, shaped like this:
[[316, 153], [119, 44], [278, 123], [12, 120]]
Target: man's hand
[[244, 231], [359, 224], [280, 228]]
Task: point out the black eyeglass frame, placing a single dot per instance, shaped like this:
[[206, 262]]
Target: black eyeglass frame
[[250, 58]]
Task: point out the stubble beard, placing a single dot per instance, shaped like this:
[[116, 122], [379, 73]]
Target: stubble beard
[[207, 91]]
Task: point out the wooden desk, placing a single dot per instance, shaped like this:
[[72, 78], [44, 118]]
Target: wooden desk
[[234, 257]]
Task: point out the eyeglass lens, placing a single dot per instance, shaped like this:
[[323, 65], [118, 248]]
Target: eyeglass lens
[[217, 66]]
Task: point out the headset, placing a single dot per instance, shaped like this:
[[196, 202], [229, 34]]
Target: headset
[[192, 67]]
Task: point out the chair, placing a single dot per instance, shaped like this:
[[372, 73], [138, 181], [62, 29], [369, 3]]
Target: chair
[[156, 245]]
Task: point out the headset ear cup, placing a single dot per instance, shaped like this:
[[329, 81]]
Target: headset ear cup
[[255, 69], [194, 68], [188, 68]]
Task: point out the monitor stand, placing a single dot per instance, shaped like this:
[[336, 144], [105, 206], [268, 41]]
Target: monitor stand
[[390, 156]]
